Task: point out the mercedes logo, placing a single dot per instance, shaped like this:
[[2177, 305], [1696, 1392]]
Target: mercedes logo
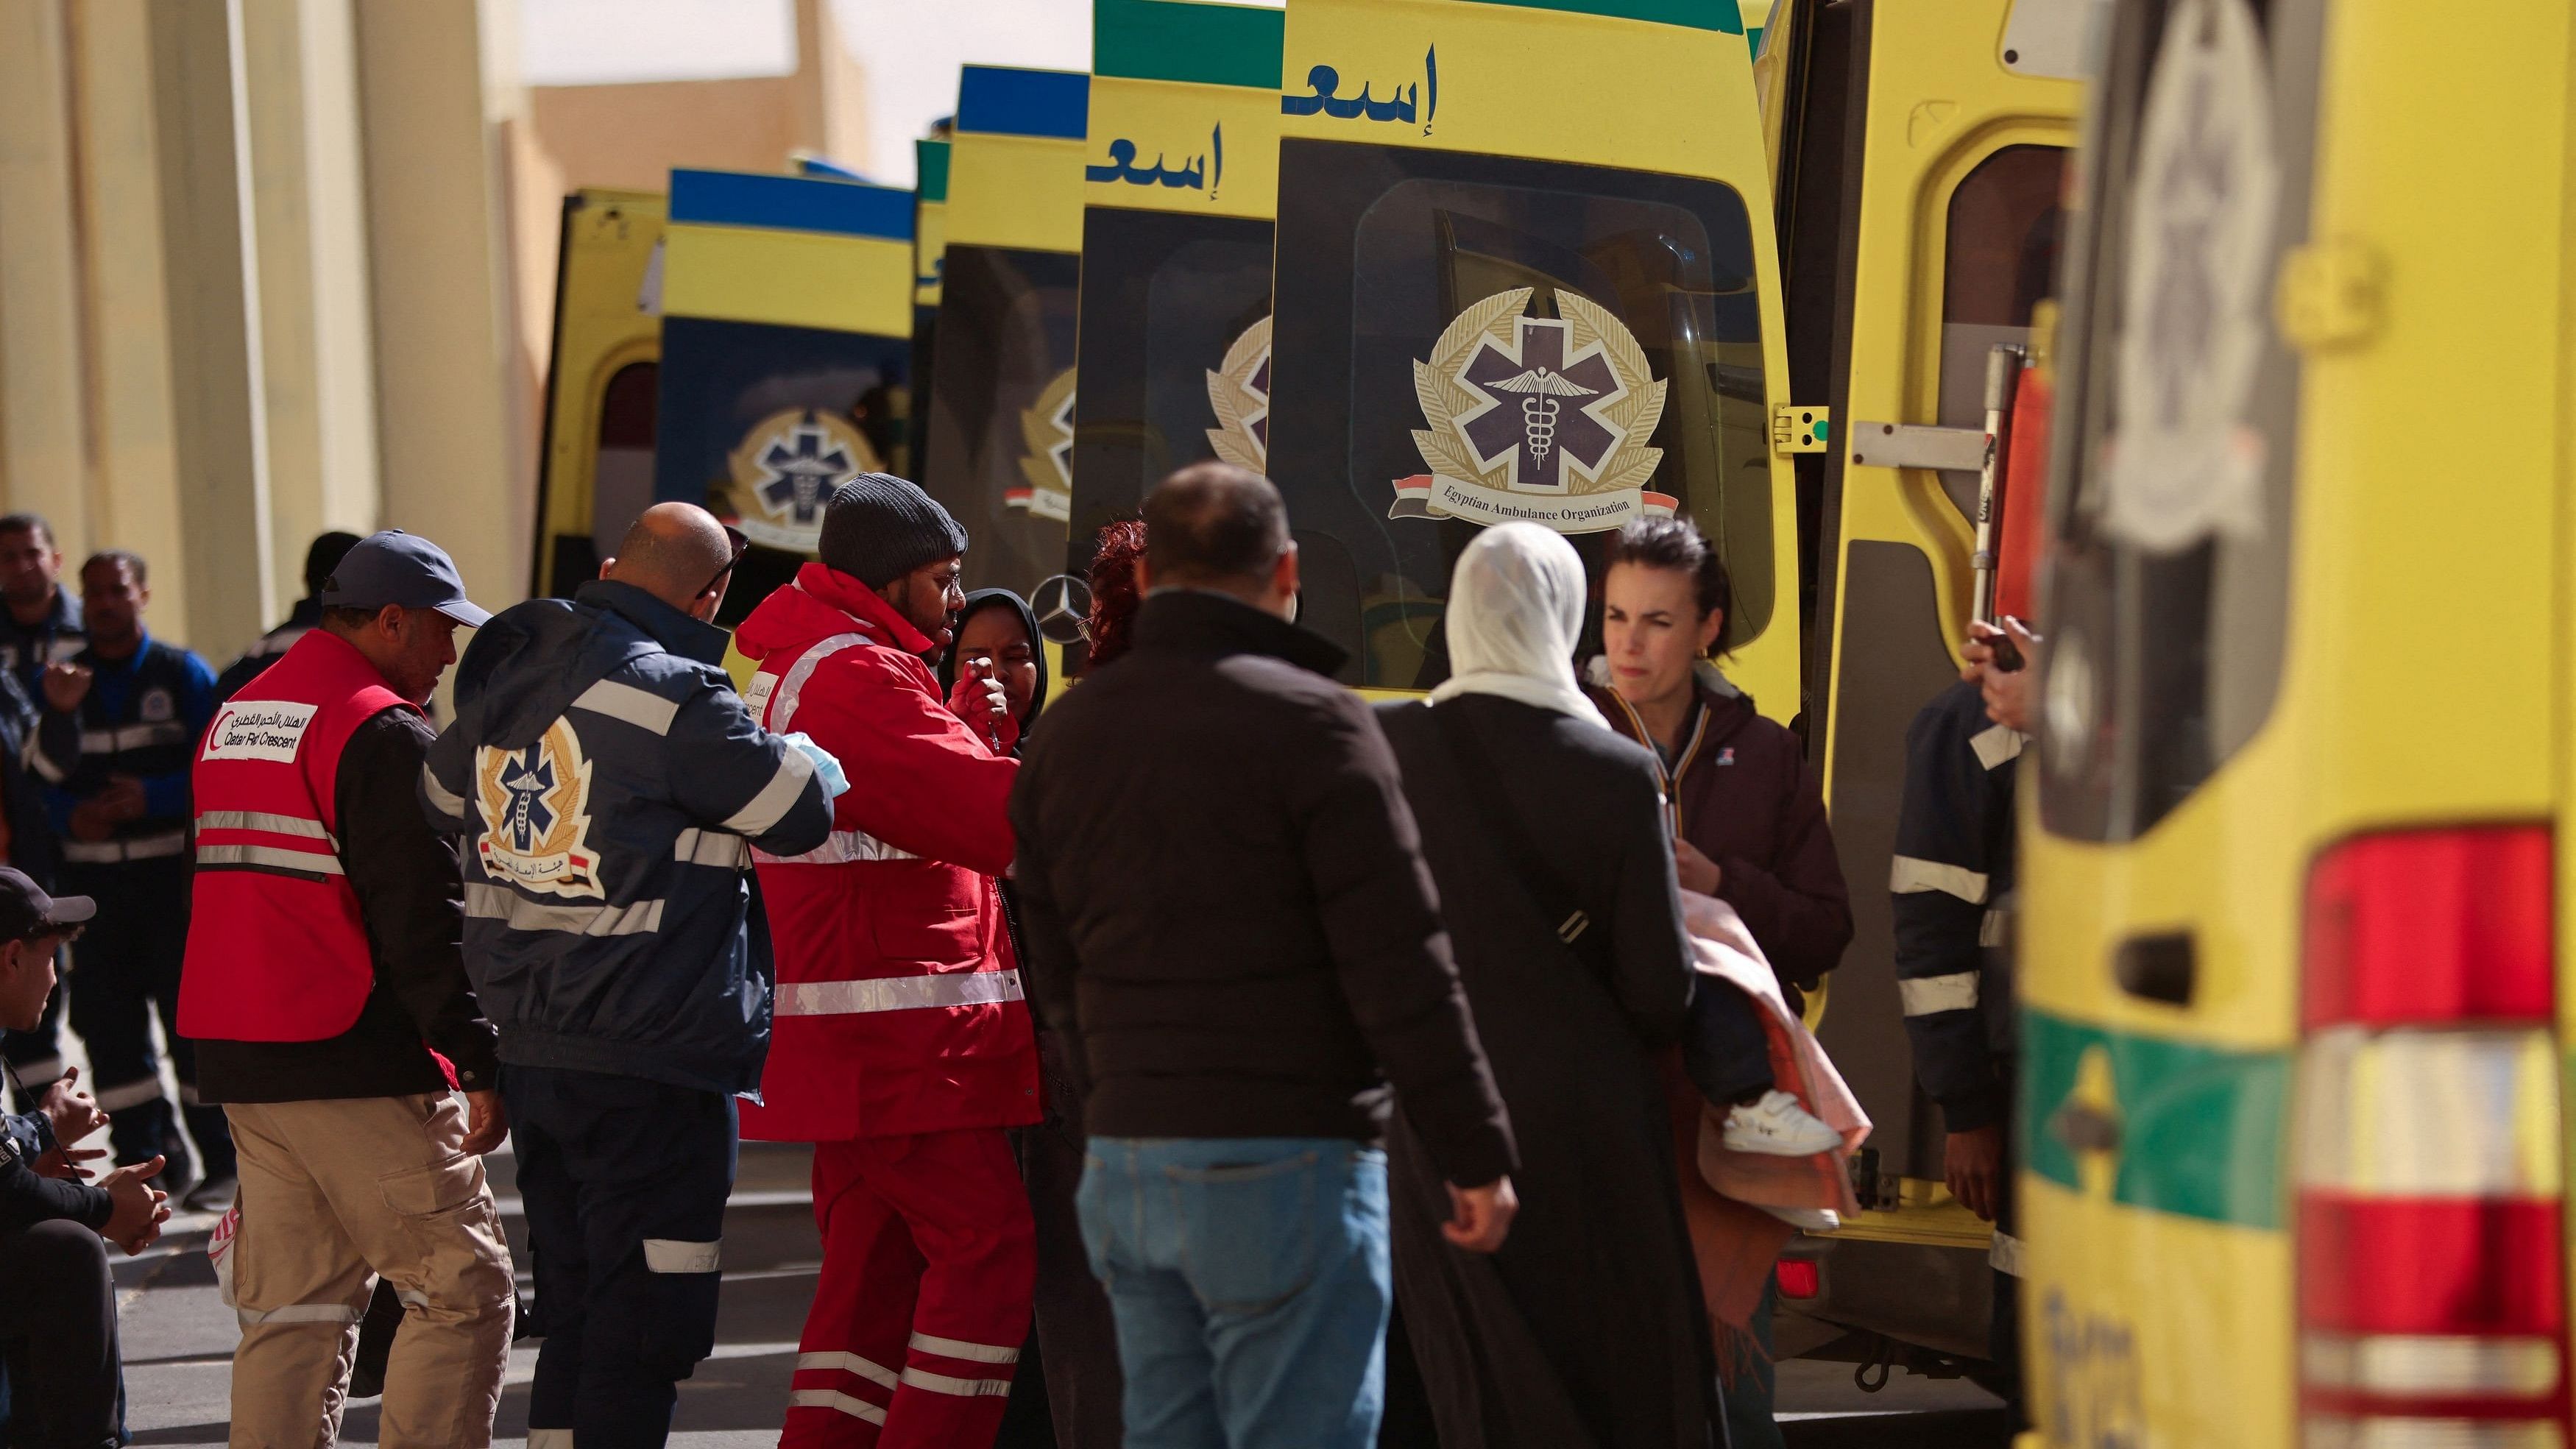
[[1063, 607]]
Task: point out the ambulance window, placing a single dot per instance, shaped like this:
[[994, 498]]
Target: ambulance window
[[2177, 412], [1000, 429], [1525, 339], [1999, 261], [622, 486]]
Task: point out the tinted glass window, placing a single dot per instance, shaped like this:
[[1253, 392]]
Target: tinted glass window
[[1167, 302], [1000, 423], [1999, 261], [2177, 411], [1480, 338]]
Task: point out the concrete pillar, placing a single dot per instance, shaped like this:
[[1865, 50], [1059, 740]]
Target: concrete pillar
[[43, 444], [201, 551], [452, 412], [308, 220]]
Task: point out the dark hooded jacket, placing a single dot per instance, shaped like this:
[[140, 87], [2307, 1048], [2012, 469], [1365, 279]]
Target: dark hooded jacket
[[976, 603], [609, 784]]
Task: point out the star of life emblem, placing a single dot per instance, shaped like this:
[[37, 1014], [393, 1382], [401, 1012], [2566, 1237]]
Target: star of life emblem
[[1046, 461], [785, 471], [2183, 466], [1239, 392], [534, 806], [1536, 418]]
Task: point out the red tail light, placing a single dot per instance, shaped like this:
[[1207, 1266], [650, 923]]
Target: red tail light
[[2430, 1223], [1799, 1278]]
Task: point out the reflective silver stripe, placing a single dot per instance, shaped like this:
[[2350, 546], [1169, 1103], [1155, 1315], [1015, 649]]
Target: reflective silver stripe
[[300, 1313], [110, 852], [550, 1439], [1928, 994], [1997, 745], [188, 1095], [1995, 929], [960, 1348], [129, 1094], [674, 1255], [782, 705], [848, 1363], [414, 1296], [776, 798], [897, 993], [264, 820], [276, 857], [133, 737], [40, 762], [441, 799], [1907, 875], [2004, 1255], [500, 903], [639, 707], [963, 1388], [710, 847], [840, 848], [822, 1399], [41, 1073]]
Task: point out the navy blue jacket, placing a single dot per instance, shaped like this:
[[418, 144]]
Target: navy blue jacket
[[25, 649], [609, 784], [141, 717], [1953, 880]]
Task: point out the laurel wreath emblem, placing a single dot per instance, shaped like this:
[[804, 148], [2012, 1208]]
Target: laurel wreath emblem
[[1046, 433], [1443, 397], [1230, 394]]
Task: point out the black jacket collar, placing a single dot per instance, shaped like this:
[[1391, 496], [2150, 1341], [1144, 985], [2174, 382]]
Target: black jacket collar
[[1198, 621], [689, 638]]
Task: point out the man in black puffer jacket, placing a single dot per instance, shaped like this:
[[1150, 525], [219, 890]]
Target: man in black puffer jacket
[[1228, 917]]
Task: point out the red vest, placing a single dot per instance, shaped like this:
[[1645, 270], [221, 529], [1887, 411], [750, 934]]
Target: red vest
[[276, 948]]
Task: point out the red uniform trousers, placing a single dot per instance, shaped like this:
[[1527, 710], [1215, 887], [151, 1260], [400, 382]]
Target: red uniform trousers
[[929, 1264]]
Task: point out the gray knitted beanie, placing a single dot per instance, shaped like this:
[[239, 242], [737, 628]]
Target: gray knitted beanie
[[877, 528]]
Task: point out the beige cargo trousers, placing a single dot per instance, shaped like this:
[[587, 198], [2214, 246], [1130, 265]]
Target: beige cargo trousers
[[332, 1194]]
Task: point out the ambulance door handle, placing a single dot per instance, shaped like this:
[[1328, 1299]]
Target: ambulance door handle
[[2162, 967]]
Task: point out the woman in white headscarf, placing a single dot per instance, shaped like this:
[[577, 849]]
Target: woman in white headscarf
[[1587, 1329]]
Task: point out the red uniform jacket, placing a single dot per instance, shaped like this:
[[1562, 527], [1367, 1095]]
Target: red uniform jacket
[[899, 1003]]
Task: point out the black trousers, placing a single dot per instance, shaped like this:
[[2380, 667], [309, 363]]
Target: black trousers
[[126, 968], [36, 1055], [58, 1330], [625, 1183], [1726, 1051]]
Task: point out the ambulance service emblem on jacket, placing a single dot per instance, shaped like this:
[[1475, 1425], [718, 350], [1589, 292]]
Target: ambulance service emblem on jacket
[[1536, 418], [785, 470], [1239, 391], [1046, 459], [535, 807]]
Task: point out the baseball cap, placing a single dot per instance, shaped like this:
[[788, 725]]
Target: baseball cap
[[394, 567], [25, 909]]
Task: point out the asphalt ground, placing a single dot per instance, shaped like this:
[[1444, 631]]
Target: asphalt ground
[[178, 1339]]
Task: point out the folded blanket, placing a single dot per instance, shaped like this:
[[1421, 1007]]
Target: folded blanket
[[1723, 948]]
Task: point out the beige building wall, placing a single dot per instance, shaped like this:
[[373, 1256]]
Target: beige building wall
[[270, 267]]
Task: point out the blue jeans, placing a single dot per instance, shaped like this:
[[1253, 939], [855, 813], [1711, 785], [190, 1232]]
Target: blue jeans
[[1251, 1283]]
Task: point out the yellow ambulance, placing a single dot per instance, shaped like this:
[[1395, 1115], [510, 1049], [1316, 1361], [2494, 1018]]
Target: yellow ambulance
[[2289, 951]]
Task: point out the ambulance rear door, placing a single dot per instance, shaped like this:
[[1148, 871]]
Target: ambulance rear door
[[595, 470]]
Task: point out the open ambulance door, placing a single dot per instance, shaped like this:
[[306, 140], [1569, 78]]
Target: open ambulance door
[[1179, 188], [1920, 150], [1481, 206], [595, 470]]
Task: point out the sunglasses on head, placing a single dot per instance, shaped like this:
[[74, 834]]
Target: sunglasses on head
[[741, 545]]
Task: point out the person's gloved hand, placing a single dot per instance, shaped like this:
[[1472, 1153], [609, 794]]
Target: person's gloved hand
[[826, 769]]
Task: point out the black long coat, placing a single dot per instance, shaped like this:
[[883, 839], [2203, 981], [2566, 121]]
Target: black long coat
[[1586, 1331]]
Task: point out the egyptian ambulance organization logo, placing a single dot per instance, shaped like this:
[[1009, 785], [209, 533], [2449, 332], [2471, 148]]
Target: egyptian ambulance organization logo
[[2183, 464], [536, 820], [1239, 390], [785, 471], [1046, 459], [1536, 419]]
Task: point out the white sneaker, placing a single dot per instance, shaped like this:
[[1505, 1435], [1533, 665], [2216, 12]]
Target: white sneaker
[[1778, 1127], [1809, 1220]]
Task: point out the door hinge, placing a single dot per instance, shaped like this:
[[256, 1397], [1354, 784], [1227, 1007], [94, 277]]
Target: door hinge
[[2330, 294], [1796, 429]]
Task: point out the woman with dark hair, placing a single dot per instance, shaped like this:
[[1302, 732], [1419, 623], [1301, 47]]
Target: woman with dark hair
[[1748, 813]]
